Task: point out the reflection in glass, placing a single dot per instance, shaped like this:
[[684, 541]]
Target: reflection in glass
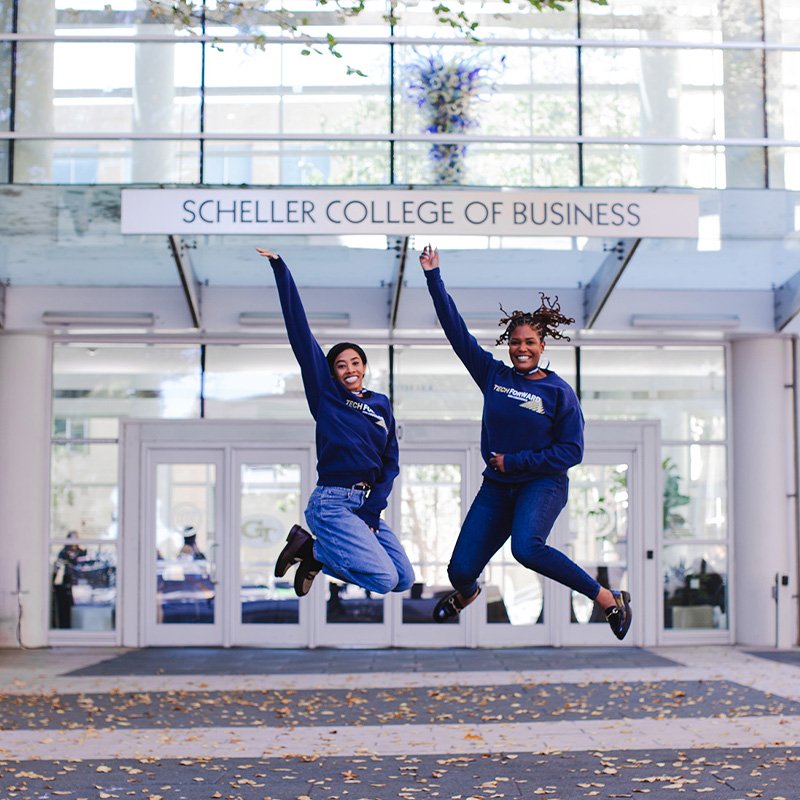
[[270, 500], [514, 594], [598, 531], [186, 541], [431, 520], [695, 492], [348, 603], [492, 164], [695, 586], [681, 386], [263, 381], [95, 384], [83, 584], [83, 490], [312, 163]]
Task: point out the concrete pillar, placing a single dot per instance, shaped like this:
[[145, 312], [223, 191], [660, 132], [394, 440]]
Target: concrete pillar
[[33, 108], [24, 460], [761, 486]]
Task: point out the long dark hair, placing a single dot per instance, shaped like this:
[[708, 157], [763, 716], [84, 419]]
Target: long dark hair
[[546, 320]]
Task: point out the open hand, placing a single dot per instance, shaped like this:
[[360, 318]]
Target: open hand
[[266, 253], [429, 258]]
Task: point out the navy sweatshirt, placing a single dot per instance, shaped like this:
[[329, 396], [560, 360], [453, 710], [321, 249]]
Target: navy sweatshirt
[[536, 424], [355, 436]]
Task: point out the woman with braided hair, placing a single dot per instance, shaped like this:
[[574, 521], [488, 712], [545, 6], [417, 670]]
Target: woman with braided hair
[[531, 434]]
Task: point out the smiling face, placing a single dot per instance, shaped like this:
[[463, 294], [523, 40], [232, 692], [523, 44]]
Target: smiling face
[[349, 370], [525, 348]]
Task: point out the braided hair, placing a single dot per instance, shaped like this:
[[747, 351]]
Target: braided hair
[[545, 320]]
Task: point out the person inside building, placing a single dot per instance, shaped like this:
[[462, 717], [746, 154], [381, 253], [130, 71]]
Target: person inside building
[[190, 548], [357, 462], [64, 579], [531, 434]]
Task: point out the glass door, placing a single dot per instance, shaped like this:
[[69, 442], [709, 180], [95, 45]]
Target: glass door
[[609, 528], [183, 562], [595, 532], [432, 493], [515, 607], [267, 499]]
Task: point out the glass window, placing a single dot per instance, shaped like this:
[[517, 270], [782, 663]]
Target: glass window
[[263, 381], [5, 148], [431, 519], [95, 384], [598, 537], [517, 91], [83, 585], [695, 492], [269, 507], [65, 161], [652, 19], [144, 87], [683, 387], [186, 543], [296, 163], [783, 97], [84, 496], [6, 51], [431, 382], [695, 586], [492, 164], [278, 90]]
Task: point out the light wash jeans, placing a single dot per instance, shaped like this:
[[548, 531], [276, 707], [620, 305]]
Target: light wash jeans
[[349, 549], [526, 512]]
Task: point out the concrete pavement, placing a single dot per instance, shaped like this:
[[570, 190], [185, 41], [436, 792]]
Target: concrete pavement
[[383, 724]]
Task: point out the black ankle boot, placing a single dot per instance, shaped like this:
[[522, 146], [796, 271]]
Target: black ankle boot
[[299, 545]]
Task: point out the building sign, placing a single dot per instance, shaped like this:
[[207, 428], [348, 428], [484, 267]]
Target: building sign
[[428, 212]]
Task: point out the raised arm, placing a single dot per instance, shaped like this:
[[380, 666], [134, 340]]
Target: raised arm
[[477, 360], [313, 366]]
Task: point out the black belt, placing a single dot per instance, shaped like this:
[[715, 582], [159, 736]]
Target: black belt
[[361, 486]]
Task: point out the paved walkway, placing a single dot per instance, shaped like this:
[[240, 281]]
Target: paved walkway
[[388, 724]]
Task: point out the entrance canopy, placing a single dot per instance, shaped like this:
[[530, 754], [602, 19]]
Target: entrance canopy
[[66, 265]]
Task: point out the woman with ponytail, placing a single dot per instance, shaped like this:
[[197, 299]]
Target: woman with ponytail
[[356, 464]]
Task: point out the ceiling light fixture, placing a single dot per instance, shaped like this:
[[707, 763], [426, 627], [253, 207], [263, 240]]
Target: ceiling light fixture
[[273, 319], [108, 319], [718, 322]]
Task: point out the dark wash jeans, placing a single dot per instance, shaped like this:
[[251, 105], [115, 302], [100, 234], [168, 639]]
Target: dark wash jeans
[[526, 512]]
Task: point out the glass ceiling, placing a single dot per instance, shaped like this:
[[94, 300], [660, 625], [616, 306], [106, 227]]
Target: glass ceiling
[[55, 236]]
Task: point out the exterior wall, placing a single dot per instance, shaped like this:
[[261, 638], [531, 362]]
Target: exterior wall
[[762, 502], [24, 460]]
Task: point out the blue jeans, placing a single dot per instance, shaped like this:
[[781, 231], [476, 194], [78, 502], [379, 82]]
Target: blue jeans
[[526, 512], [349, 549]]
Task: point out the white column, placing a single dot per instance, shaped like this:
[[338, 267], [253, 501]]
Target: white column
[[24, 459], [154, 106], [761, 486], [660, 116]]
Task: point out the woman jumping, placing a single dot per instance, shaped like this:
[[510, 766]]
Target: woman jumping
[[531, 434], [356, 464]]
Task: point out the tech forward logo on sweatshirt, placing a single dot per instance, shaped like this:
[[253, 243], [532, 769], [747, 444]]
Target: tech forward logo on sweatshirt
[[359, 405], [531, 402]]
